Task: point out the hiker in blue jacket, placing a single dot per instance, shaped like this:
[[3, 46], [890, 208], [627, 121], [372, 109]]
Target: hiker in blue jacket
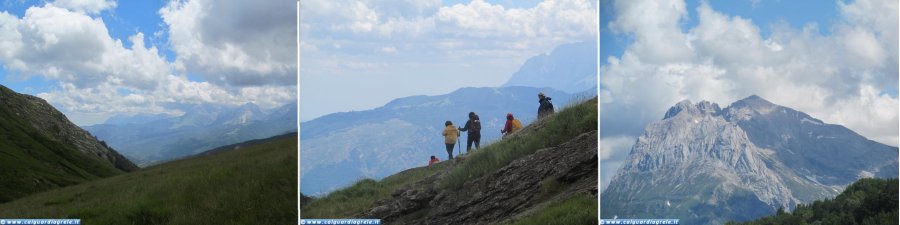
[[546, 107]]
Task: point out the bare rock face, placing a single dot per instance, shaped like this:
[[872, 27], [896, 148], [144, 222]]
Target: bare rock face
[[495, 198], [706, 165], [54, 125]]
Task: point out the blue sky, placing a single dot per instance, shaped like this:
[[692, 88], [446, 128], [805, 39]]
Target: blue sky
[[835, 60], [358, 55], [96, 58]]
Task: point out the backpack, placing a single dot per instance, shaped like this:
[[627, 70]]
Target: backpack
[[549, 105], [516, 125], [476, 125]]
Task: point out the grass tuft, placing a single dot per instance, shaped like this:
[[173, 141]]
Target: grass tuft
[[579, 209]]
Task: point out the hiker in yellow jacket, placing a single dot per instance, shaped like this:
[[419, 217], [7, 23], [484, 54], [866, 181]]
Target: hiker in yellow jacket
[[451, 134], [512, 125]]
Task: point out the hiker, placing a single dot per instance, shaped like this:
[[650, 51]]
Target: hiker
[[433, 160], [450, 136], [546, 107], [512, 125], [473, 131]]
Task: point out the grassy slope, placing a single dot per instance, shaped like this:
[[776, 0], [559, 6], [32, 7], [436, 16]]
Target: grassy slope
[[252, 185], [579, 209], [352, 201], [30, 162]]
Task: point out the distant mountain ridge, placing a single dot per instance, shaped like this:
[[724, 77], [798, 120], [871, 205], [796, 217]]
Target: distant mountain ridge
[[41, 149], [569, 67], [150, 139], [708, 165]]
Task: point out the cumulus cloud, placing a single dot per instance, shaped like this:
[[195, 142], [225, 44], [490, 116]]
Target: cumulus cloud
[[100, 76], [234, 43], [86, 6], [658, 37], [608, 150], [843, 77], [71, 47], [429, 31]]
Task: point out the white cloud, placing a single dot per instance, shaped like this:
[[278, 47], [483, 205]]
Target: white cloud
[[389, 49], [655, 27], [74, 48], [99, 76], [839, 77], [611, 148], [86, 6], [434, 32], [234, 43]]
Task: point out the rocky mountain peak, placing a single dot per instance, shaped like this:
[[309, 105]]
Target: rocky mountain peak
[[711, 165], [752, 105], [699, 109]]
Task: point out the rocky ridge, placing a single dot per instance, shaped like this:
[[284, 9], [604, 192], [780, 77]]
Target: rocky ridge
[[54, 125]]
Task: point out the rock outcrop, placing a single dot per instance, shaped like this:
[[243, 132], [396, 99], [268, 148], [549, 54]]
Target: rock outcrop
[[505, 194]]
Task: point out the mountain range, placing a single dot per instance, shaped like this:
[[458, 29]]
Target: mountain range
[[707, 165], [152, 138], [41, 149], [340, 148], [569, 67]]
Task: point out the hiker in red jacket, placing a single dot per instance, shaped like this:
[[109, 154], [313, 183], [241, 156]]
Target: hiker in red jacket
[[433, 161], [512, 125]]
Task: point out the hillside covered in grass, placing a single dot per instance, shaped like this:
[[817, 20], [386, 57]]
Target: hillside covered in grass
[[544, 174], [40, 149], [249, 184], [867, 201]]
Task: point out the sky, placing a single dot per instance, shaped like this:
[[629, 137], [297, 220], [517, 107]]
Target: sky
[[835, 60], [359, 55], [93, 59]]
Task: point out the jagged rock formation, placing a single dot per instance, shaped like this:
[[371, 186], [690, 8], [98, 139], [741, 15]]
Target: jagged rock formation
[[707, 165], [43, 149], [499, 197]]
